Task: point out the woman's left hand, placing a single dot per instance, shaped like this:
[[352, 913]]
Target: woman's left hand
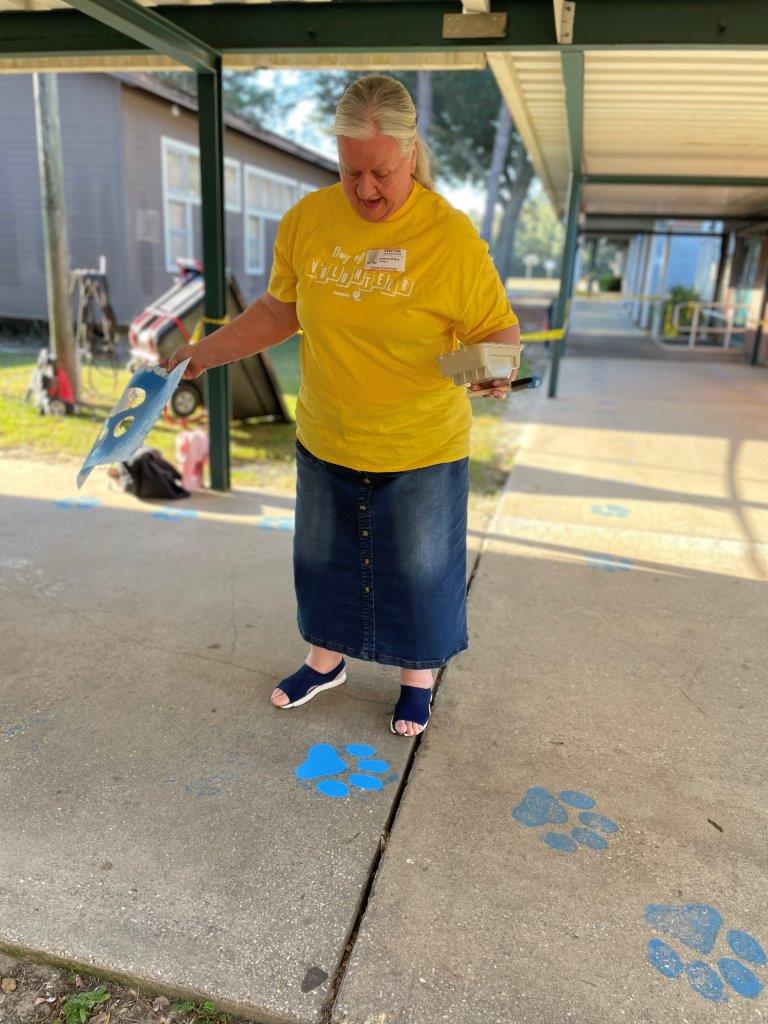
[[496, 388]]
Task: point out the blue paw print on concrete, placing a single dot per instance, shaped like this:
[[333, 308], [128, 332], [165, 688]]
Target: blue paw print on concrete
[[539, 807], [275, 523], [323, 760], [609, 509], [78, 503], [608, 564], [175, 513], [698, 926]]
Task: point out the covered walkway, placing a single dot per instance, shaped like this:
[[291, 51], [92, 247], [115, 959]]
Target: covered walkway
[[180, 833]]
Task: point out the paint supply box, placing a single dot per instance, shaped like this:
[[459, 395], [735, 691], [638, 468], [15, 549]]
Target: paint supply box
[[478, 363]]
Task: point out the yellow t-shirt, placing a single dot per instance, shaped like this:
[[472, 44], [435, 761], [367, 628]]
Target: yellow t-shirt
[[372, 395]]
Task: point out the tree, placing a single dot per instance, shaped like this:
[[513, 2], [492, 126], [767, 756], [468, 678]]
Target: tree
[[539, 232], [242, 93]]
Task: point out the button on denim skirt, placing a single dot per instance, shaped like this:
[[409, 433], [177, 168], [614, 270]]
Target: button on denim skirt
[[380, 561]]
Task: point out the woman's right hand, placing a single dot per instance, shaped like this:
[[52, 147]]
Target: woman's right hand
[[196, 366]]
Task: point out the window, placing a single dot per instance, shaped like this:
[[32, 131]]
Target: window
[[267, 197], [304, 189], [232, 191], [181, 193]]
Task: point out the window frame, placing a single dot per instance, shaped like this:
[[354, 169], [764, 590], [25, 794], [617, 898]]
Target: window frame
[[170, 195], [263, 215]]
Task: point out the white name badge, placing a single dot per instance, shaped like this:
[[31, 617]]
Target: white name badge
[[385, 259]]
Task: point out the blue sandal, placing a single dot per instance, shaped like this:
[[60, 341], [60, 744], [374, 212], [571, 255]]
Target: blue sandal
[[412, 706], [307, 683]]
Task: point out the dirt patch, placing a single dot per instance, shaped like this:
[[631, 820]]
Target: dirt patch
[[33, 993]]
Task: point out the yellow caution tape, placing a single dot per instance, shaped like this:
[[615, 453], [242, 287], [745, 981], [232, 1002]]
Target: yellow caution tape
[[557, 334], [197, 334]]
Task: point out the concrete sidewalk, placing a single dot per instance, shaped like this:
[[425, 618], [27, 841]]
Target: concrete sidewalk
[[159, 831], [619, 660], [164, 823]]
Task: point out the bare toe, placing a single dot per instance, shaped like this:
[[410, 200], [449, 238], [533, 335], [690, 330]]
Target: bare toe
[[402, 728], [279, 699]]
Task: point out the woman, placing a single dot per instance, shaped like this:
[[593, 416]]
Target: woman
[[382, 275]]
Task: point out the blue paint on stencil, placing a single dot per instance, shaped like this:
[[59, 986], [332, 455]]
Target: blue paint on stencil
[[746, 947], [324, 760], [698, 926], [276, 523], [588, 838], [608, 564], [598, 821], [78, 503], [574, 798], [175, 513], [619, 511], [539, 807], [560, 841], [664, 958]]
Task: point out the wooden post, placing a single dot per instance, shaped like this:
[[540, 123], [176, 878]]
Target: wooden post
[[56, 243]]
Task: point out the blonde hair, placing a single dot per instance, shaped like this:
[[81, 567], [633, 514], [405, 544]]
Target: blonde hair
[[380, 104]]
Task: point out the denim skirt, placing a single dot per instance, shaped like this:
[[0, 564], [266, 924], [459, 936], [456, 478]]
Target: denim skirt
[[380, 560]]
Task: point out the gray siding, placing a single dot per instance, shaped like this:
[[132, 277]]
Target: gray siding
[[148, 119], [112, 154], [91, 152]]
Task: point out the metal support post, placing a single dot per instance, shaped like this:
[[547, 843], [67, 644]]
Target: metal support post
[[573, 83], [210, 129], [762, 313], [566, 277]]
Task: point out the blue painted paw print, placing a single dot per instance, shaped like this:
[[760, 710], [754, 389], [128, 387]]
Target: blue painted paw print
[[78, 503], [609, 509], [539, 807], [698, 926], [323, 760], [276, 523], [175, 513], [608, 564]]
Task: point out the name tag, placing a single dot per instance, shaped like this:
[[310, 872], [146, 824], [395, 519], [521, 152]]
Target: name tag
[[385, 259]]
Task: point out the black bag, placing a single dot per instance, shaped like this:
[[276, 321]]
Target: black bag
[[152, 477]]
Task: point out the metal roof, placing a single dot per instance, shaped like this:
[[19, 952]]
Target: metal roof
[[671, 91], [660, 112]]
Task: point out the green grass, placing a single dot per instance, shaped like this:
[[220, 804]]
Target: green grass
[[261, 453]]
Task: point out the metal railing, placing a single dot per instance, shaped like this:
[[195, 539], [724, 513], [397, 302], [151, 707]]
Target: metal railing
[[711, 318]]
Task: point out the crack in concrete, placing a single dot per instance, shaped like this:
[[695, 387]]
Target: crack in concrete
[[325, 1013]]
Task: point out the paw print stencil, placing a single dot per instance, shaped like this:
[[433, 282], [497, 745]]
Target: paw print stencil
[[332, 776], [539, 808], [698, 926]]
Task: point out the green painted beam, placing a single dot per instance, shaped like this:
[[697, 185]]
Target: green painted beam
[[570, 249], [146, 27], [361, 26], [674, 179], [211, 138], [380, 25], [672, 23], [573, 82]]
